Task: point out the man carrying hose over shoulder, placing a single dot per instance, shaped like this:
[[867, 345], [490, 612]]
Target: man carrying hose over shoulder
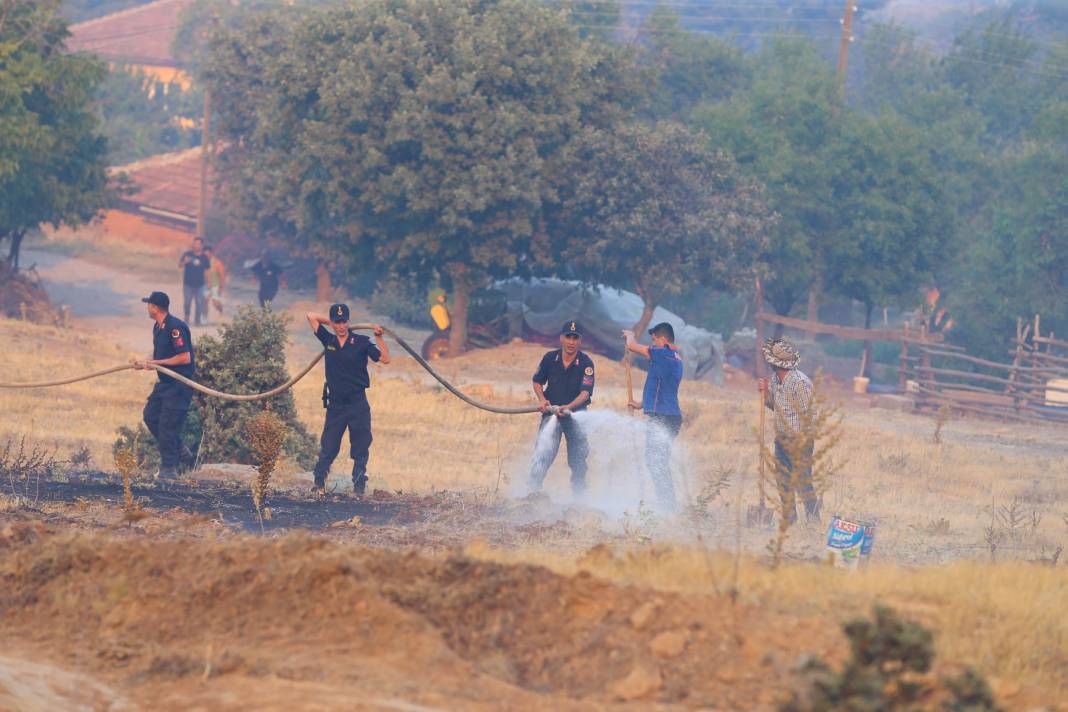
[[169, 401], [563, 384], [344, 393]]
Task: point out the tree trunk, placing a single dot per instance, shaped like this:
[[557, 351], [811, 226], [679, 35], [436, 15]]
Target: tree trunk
[[648, 307], [813, 313], [16, 248], [324, 290], [866, 359], [758, 356], [461, 298]]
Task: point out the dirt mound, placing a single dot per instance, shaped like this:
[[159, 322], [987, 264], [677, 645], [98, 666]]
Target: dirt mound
[[23, 297], [270, 617]]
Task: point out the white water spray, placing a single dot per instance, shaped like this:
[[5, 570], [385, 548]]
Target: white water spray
[[617, 480]]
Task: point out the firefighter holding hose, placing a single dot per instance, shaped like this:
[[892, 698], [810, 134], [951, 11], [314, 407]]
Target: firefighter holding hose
[[344, 393], [168, 404], [563, 384]]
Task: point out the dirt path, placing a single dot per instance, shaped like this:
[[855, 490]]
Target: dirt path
[[107, 299]]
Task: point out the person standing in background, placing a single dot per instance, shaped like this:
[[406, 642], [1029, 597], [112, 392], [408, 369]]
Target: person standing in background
[[194, 265], [217, 277]]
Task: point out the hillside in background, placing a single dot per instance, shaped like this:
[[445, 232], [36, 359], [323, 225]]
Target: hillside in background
[[82, 10]]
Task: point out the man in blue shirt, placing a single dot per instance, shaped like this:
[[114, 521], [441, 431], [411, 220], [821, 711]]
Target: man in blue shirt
[[660, 403]]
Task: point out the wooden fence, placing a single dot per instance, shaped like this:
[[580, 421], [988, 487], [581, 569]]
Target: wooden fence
[[1032, 388]]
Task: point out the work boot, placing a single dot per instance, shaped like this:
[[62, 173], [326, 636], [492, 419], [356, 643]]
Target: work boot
[[167, 474], [359, 484]]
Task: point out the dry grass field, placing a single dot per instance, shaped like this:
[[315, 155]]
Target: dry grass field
[[967, 528]]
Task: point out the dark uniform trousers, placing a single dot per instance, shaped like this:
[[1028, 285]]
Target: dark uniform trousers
[[578, 449], [356, 417], [660, 433], [164, 414]]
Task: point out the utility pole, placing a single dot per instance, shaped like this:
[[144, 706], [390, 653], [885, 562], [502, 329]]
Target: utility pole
[[843, 44], [205, 142]]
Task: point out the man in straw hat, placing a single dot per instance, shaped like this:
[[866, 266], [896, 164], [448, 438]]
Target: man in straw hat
[[789, 395]]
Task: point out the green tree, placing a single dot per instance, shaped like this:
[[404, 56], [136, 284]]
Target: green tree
[[656, 210], [143, 117], [895, 225], [1017, 264], [424, 133], [52, 157], [684, 69], [784, 128]]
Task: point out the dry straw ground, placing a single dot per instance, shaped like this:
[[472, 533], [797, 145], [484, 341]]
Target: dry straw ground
[[987, 492]]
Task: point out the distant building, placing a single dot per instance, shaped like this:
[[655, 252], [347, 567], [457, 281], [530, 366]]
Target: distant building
[[138, 38], [162, 212]]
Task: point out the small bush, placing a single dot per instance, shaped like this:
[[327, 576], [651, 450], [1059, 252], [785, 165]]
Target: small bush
[[248, 357], [266, 433], [888, 670], [23, 466]]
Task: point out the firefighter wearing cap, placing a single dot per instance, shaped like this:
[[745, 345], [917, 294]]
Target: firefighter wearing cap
[[660, 403], [344, 393], [169, 401], [564, 379]]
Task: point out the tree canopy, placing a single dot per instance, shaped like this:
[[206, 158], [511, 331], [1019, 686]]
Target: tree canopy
[[52, 156], [655, 210], [426, 134]]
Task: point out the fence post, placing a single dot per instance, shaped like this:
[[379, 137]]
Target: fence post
[[903, 368], [1014, 369], [925, 375]]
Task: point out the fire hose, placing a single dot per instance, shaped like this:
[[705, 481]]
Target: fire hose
[[288, 384]]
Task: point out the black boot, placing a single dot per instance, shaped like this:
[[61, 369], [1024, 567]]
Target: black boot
[[359, 481]]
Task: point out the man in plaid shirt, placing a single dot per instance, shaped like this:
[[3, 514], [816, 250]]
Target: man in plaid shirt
[[789, 395]]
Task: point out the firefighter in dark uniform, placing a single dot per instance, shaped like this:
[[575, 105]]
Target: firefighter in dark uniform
[[344, 393], [169, 401], [564, 379]]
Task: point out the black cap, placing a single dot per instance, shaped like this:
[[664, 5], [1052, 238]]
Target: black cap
[[160, 299], [571, 327], [339, 312], [663, 329]]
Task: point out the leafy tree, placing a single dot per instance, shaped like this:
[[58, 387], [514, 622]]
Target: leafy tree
[[52, 158], [656, 210], [143, 117], [784, 129], [685, 68], [895, 224], [1017, 265], [424, 133]]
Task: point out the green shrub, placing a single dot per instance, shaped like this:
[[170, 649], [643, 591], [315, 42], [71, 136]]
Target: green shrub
[[248, 357], [887, 671]]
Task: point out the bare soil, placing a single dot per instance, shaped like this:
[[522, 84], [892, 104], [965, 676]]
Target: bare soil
[[302, 622]]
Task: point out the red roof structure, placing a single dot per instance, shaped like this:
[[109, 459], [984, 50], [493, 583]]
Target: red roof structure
[[139, 35], [167, 187]]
